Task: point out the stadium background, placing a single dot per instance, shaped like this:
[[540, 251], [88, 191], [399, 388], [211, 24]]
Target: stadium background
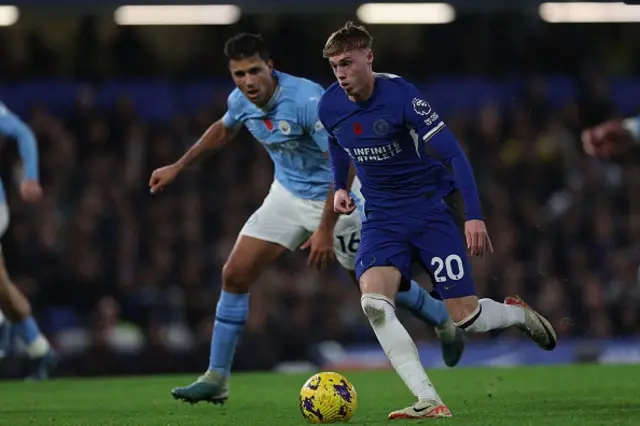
[[125, 282]]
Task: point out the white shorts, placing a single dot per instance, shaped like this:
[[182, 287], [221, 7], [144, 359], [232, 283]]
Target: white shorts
[[288, 220]]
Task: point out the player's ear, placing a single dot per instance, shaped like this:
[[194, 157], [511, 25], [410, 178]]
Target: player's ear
[[270, 64], [369, 56]]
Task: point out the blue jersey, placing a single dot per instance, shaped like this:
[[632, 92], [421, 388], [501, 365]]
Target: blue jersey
[[289, 129], [405, 156], [407, 161], [12, 126]]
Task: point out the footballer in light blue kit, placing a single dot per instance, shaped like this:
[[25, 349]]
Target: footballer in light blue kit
[[408, 162], [280, 111], [13, 304]]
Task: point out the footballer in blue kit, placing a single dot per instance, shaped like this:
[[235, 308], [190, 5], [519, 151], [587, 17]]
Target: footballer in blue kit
[[13, 304], [408, 162], [280, 111]]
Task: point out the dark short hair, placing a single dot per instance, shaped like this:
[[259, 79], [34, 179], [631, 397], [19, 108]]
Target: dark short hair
[[349, 37], [245, 45]]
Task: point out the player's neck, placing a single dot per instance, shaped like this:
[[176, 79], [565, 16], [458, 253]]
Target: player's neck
[[367, 91], [271, 94]]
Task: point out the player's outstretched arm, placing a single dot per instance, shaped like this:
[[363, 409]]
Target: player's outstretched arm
[[12, 125], [612, 137], [216, 136]]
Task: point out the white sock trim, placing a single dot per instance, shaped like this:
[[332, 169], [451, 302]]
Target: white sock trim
[[377, 296], [471, 318]]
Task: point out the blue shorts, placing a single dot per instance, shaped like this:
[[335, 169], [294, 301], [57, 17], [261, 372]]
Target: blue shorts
[[435, 241]]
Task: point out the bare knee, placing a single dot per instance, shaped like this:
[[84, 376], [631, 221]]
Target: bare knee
[[237, 276], [462, 309], [248, 259], [383, 280]]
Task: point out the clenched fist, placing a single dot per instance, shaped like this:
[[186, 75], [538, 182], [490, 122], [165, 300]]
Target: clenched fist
[[162, 177]]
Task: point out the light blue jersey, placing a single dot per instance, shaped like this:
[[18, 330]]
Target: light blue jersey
[[12, 126], [289, 129]]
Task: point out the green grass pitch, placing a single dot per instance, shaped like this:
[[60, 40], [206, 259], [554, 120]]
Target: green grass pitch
[[540, 396]]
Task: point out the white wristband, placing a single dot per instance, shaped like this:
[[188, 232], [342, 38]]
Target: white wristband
[[632, 125]]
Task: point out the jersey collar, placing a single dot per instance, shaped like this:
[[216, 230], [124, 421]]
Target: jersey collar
[[276, 93]]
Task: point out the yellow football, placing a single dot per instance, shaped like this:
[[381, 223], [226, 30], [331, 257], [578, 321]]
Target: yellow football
[[328, 398]]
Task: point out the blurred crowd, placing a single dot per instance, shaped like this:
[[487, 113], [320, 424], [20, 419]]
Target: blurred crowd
[[112, 269]]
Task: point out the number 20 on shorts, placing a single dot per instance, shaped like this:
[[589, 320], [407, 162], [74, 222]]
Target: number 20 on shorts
[[451, 266]]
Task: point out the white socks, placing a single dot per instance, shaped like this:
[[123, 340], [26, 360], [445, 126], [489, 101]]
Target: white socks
[[38, 348], [398, 345], [492, 315], [2, 318]]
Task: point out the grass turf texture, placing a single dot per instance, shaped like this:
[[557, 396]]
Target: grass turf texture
[[565, 396]]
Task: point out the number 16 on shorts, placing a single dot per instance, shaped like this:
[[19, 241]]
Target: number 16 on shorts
[[349, 243]]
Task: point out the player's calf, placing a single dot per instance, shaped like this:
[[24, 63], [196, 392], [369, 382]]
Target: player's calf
[[379, 285], [422, 305], [434, 313], [419, 302], [490, 315], [17, 309], [451, 273], [13, 303], [481, 316], [248, 259]]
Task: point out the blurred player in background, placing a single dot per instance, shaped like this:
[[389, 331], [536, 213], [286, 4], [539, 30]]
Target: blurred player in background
[[612, 138], [382, 124], [13, 303], [280, 111]]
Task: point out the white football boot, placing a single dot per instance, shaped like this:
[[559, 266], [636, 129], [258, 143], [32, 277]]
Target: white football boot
[[423, 409], [535, 325]]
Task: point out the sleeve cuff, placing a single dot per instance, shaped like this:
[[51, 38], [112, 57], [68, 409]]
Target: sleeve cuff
[[632, 125]]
